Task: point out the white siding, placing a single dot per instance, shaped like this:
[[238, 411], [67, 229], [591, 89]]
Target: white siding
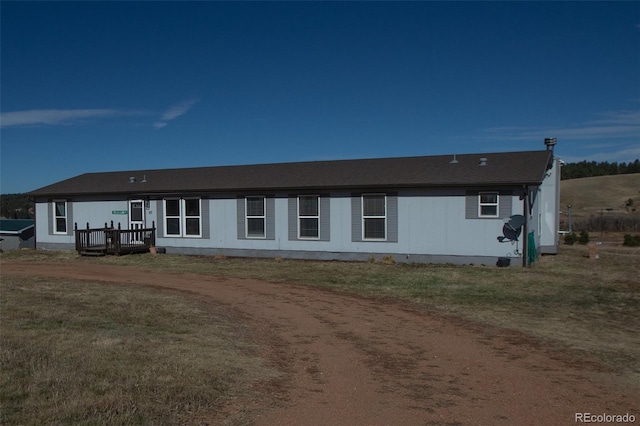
[[44, 225], [97, 213], [549, 208], [434, 223]]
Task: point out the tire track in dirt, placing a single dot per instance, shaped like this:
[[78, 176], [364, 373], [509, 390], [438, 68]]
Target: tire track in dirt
[[358, 361]]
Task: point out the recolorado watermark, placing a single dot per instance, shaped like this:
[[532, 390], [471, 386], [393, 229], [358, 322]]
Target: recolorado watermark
[[604, 418]]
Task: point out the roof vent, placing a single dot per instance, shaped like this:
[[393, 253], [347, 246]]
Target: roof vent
[[454, 161], [132, 179], [144, 178], [550, 143], [483, 161]]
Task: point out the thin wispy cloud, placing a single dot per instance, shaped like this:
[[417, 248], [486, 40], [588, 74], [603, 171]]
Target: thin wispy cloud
[[54, 116], [57, 117], [174, 112], [618, 117], [610, 125]]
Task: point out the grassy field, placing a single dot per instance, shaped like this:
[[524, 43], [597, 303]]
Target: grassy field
[[588, 306], [89, 354], [590, 195]]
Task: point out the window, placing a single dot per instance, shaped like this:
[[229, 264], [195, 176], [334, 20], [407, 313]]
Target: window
[[192, 217], [488, 204], [172, 217], [60, 220], [182, 217], [136, 211], [255, 217], [308, 217], [374, 217]]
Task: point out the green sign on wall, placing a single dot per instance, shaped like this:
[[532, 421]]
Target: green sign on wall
[[119, 211]]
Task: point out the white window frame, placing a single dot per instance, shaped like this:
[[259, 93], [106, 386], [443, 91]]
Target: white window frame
[[167, 217], [56, 217], [365, 217], [263, 217], [185, 217], [316, 217], [485, 204], [182, 218]]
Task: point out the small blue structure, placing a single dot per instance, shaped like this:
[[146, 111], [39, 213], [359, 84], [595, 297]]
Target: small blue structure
[[16, 234]]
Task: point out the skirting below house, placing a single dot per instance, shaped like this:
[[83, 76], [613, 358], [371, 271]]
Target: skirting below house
[[55, 246], [342, 256], [548, 250], [317, 255]]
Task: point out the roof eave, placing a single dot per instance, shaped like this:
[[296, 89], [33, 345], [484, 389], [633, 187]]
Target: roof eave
[[20, 231], [290, 188]]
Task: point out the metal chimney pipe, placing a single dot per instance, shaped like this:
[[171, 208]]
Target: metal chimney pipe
[[550, 143]]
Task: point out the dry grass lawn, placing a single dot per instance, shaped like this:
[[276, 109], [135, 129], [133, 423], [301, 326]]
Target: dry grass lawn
[[85, 353], [590, 195]]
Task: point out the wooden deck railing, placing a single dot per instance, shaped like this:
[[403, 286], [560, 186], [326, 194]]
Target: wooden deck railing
[[110, 240]]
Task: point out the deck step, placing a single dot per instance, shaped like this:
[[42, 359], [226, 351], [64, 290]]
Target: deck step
[[90, 252]]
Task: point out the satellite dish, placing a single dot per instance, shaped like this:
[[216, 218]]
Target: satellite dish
[[512, 229], [516, 221]]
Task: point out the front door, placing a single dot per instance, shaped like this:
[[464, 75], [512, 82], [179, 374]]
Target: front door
[[136, 220]]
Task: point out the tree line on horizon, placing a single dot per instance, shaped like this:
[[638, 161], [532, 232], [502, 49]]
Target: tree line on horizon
[[585, 169], [16, 206]]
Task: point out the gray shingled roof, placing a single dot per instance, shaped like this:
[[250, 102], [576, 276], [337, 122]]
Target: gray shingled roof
[[507, 168]]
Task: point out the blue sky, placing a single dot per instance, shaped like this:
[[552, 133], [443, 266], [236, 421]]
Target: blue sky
[[93, 86]]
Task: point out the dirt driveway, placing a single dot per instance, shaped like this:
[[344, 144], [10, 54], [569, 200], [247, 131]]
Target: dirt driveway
[[358, 361]]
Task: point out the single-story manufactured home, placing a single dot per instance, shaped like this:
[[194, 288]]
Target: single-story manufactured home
[[471, 208]]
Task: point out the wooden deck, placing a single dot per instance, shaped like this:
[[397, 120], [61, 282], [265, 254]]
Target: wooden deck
[[103, 250], [117, 241]]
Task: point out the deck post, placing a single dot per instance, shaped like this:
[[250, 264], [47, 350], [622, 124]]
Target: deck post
[[75, 229], [118, 248], [107, 238]]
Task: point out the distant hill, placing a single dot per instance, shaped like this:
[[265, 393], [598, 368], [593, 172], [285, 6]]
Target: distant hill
[[609, 203], [592, 194]]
